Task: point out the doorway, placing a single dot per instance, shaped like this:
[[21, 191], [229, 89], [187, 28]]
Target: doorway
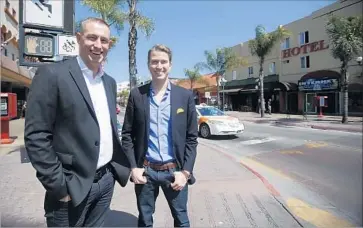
[[310, 102]]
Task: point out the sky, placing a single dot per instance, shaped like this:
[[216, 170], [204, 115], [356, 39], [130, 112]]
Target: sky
[[190, 27]]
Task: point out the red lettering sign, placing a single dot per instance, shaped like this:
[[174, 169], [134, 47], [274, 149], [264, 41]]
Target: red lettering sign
[[303, 49]]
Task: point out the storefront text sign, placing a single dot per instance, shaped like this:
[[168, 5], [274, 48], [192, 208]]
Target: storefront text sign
[[318, 84], [306, 48]]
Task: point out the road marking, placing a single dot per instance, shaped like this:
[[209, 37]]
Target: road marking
[[316, 144], [257, 141], [291, 152], [258, 166], [315, 216]]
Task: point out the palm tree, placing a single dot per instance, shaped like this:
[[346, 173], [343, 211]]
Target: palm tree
[[345, 34], [146, 25], [261, 46], [110, 11], [223, 60], [193, 76]]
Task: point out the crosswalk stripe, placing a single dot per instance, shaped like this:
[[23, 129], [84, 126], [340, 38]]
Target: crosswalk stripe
[[257, 141]]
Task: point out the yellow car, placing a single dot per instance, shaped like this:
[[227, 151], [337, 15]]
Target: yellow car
[[212, 121]]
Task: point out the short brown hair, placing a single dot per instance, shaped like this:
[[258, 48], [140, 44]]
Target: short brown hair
[[162, 48], [95, 20]]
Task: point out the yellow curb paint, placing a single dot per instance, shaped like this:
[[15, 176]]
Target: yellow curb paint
[[257, 165], [315, 216], [316, 144], [291, 152]]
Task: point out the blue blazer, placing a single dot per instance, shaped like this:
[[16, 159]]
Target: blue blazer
[[135, 131]]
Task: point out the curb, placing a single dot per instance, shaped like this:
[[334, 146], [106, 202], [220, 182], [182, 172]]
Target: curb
[[336, 129], [275, 194], [267, 184]]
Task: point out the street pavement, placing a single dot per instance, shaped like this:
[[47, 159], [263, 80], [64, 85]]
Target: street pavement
[[309, 121], [326, 165], [225, 195]]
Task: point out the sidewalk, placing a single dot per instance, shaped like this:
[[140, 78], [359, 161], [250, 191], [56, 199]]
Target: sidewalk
[[311, 121], [16, 131], [225, 195]]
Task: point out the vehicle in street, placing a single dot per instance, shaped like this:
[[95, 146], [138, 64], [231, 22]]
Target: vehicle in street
[[212, 121]]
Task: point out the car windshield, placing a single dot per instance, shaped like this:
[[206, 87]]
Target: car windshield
[[210, 111]]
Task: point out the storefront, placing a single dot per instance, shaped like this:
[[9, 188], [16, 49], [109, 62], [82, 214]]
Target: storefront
[[355, 99], [320, 83]]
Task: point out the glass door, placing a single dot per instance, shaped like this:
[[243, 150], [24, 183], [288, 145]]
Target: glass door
[[310, 106]]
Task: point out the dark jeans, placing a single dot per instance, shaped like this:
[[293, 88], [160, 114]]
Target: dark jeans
[[91, 212], [146, 195]]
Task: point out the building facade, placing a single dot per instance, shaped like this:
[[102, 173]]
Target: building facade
[[14, 78], [299, 69]]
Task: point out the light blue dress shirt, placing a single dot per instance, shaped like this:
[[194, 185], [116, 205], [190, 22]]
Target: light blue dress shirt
[[160, 148]]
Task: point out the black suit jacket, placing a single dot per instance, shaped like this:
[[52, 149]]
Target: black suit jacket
[[62, 133], [135, 131]]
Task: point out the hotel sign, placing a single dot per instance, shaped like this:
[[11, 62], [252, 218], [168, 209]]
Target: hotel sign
[[304, 49], [319, 84]]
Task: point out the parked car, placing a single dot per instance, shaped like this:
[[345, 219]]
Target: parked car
[[212, 121]]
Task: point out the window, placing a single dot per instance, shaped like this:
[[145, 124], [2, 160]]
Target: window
[[7, 4], [305, 62], [5, 52], [304, 37], [13, 57], [272, 68], [14, 13], [234, 75], [286, 43], [250, 71]]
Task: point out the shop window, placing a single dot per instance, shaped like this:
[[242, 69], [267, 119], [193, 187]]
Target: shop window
[[355, 102], [250, 71], [272, 68], [286, 43], [305, 62], [234, 75], [304, 37]]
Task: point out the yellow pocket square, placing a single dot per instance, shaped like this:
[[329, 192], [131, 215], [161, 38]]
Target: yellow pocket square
[[179, 110]]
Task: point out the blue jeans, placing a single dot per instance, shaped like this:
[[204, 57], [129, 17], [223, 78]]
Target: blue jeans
[[146, 195], [90, 213]]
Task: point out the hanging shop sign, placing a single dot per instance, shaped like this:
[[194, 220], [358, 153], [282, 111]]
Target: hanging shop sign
[[319, 84]]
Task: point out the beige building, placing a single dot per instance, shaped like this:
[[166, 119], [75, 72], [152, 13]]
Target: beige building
[[14, 78], [299, 69]]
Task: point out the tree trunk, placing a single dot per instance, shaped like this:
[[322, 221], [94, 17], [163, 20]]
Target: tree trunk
[[218, 97], [262, 100], [345, 92], [132, 44]]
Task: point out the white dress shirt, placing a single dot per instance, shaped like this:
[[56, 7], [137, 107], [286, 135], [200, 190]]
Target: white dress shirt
[[99, 100]]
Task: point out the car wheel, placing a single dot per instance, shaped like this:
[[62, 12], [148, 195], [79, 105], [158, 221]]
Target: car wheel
[[204, 130]]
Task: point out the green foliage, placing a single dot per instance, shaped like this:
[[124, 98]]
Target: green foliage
[[264, 42], [194, 76], [345, 34], [224, 59], [110, 11]]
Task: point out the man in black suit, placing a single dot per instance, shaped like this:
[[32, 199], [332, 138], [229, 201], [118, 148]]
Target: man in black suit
[[71, 135], [159, 137]]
